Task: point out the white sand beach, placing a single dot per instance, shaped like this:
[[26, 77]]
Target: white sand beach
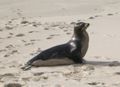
[[29, 26]]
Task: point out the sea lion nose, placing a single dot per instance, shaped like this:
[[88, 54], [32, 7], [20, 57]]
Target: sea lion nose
[[87, 24]]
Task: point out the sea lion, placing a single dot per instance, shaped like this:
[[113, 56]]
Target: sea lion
[[71, 52]]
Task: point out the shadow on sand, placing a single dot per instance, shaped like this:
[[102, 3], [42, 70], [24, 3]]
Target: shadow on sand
[[94, 63], [103, 63]]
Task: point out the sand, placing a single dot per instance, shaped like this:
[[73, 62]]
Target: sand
[[29, 26]]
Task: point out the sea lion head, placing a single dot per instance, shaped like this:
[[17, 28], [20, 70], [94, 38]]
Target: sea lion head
[[81, 26]]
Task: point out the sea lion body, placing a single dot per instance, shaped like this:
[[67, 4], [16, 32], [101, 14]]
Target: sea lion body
[[71, 52]]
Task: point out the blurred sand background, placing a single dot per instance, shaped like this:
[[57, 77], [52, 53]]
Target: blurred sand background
[[29, 26]]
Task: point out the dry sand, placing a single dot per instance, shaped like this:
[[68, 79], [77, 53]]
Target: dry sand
[[29, 26]]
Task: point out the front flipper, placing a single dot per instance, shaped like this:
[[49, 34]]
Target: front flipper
[[78, 59], [83, 61]]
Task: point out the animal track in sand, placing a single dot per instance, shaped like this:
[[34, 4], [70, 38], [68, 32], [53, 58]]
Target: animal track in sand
[[38, 74], [1, 30], [30, 31], [11, 53], [110, 14], [54, 25], [33, 31], [36, 24], [36, 79], [11, 34], [33, 40], [91, 18], [27, 44], [97, 57], [3, 50], [49, 37], [98, 15], [14, 51], [96, 83], [7, 74], [8, 27], [65, 30], [117, 73], [24, 41], [12, 66], [68, 33], [8, 77], [10, 46], [6, 55], [74, 22], [9, 37], [25, 22], [58, 85], [20, 35], [61, 27], [52, 35], [46, 28], [13, 85], [93, 83], [26, 79], [41, 77]]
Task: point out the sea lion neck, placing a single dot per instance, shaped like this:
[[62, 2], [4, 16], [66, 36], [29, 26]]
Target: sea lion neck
[[78, 35]]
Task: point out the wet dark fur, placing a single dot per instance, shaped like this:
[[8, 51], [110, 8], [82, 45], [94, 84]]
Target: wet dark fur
[[71, 49]]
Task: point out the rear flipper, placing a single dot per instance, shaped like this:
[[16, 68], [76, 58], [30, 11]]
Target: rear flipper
[[26, 67]]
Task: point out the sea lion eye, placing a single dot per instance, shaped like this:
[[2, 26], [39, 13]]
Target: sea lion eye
[[87, 24]]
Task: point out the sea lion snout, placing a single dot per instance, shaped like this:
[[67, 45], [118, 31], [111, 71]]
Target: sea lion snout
[[87, 24]]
